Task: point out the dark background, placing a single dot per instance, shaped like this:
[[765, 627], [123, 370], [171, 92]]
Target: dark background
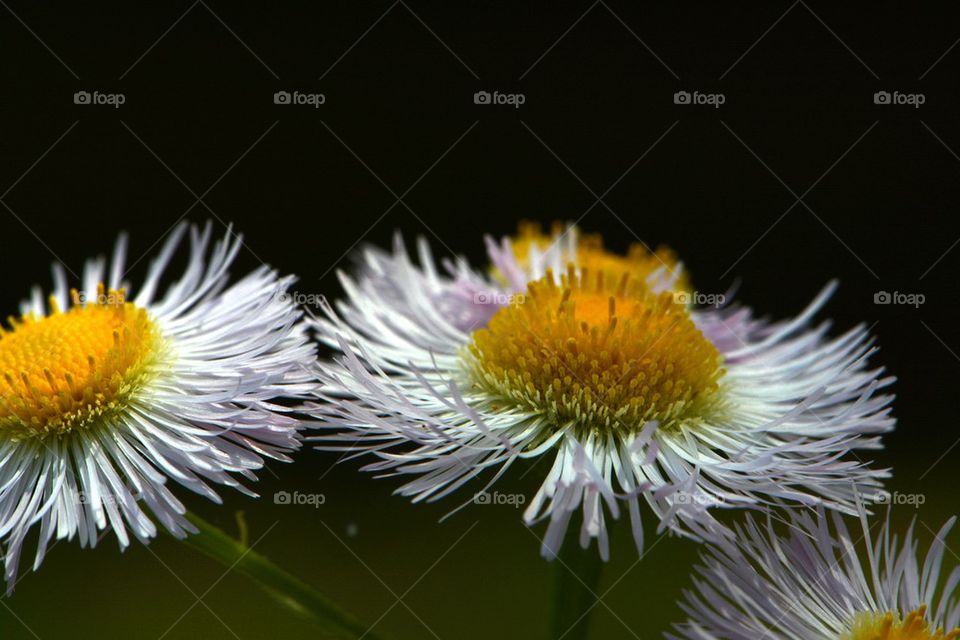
[[400, 145]]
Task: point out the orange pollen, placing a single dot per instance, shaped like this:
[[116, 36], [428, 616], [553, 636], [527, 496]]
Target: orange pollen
[[639, 262], [75, 368], [889, 626], [599, 354]]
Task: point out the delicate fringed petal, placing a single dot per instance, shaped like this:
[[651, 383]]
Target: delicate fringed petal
[[206, 414], [814, 582], [797, 403]]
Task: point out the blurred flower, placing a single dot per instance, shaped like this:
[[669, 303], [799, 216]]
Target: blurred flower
[[105, 399], [813, 585], [526, 257], [602, 363]]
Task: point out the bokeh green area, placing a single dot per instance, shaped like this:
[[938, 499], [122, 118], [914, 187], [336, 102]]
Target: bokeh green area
[[476, 575]]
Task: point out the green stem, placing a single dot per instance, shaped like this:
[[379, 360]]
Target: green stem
[[575, 591], [286, 589]]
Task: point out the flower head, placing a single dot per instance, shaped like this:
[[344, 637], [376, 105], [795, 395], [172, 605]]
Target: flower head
[[600, 362], [104, 398], [813, 584], [586, 250], [597, 354]]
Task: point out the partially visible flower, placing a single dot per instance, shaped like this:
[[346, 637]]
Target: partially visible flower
[[517, 261], [610, 372], [814, 585], [105, 398]]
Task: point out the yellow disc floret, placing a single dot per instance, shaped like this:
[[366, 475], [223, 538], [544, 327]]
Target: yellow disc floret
[[74, 369], [598, 353], [889, 626], [639, 262]]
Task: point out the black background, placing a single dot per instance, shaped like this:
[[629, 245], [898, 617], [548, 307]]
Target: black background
[[399, 145]]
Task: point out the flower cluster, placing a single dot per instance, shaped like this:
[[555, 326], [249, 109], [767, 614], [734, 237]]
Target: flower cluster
[[598, 362], [642, 400]]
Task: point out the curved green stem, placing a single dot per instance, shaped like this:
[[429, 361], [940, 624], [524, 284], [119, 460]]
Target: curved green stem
[[575, 591], [285, 588]]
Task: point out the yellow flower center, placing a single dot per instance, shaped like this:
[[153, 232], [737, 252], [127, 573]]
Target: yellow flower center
[[889, 626], [76, 368], [639, 262], [598, 354]]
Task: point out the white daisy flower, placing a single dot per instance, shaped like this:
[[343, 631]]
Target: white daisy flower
[[596, 361], [103, 399], [813, 585]]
